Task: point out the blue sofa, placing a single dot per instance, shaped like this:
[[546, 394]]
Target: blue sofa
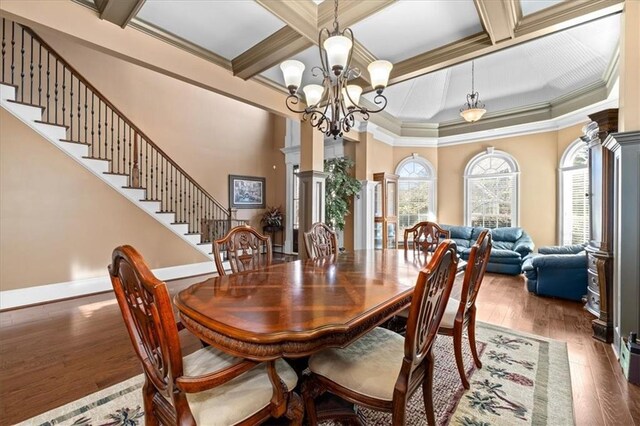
[[510, 246], [558, 272]]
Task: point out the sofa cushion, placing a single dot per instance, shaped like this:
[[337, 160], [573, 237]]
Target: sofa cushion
[[475, 233], [503, 245], [461, 244], [504, 254], [506, 234], [459, 232]]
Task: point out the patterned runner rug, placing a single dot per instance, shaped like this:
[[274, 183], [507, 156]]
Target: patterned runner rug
[[524, 381]]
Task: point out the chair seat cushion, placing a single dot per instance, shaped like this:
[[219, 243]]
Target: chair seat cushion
[[369, 366], [237, 399], [450, 313]]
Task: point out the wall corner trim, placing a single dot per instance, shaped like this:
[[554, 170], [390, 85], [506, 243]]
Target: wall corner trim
[[10, 299]]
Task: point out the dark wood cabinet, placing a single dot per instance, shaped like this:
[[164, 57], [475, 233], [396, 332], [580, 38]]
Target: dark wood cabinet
[[600, 248]]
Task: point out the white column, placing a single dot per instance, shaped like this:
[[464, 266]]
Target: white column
[[626, 239], [363, 211]]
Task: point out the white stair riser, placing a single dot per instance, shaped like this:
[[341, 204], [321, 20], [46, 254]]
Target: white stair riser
[[54, 134], [117, 180], [28, 112], [7, 92], [50, 131]]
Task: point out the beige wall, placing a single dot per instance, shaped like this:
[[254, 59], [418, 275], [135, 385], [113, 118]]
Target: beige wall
[[207, 134], [58, 222], [537, 155]]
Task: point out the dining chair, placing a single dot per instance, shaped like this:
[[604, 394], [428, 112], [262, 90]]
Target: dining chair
[[425, 236], [207, 387], [320, 241], [381, 370], [246, 249], [461, 314]]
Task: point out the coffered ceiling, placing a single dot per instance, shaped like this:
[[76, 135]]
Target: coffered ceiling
[[527, 53]]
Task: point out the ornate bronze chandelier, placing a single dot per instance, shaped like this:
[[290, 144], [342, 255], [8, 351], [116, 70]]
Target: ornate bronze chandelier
[[331, 107]]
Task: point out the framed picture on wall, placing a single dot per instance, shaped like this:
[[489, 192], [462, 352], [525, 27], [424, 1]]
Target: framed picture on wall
[[246, 192]]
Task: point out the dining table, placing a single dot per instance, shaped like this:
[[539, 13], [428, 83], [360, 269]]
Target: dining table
[[297, 308], [294, 309]]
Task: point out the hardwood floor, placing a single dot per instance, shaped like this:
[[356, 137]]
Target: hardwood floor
[[53, 354]]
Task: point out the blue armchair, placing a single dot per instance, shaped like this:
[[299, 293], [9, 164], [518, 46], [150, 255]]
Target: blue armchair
[[557, 272]]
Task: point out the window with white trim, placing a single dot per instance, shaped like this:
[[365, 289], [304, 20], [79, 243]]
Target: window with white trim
[[574, 187], [491, 190], [416, 191]]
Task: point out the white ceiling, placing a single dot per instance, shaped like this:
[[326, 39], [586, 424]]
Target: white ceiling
[[409, 27], [534, 72], [225, 27], [531, 6], [518, 77]]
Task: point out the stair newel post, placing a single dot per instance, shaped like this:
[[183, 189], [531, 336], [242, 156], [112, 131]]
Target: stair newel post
[[135, 170]]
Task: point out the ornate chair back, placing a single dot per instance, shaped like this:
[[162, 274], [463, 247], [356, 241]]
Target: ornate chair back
[[425, 236], [476, 266], [430, 297], [246, 250], [148, 314], [320, 241]]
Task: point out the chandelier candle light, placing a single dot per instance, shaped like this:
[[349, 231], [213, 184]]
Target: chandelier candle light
[[332, 105], [473, 110]]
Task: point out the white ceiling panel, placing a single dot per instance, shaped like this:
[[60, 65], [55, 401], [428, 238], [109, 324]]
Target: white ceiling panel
[[524, 75], [409, 27], [531, 6], [225, 27]]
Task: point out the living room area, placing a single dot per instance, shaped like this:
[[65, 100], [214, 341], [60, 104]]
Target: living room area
[[498, 140]]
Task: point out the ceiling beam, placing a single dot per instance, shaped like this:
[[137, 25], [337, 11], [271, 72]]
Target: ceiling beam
[[119, 12], [548, 21], [498, 18], [304, 19]]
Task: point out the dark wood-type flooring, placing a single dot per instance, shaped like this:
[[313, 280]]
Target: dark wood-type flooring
[[55, 353]]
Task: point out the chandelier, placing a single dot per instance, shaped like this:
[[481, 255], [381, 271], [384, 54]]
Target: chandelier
[[473, 109], [331, 107]]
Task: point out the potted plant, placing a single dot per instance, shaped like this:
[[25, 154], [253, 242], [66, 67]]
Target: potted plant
[[340, 188], [272, 219]]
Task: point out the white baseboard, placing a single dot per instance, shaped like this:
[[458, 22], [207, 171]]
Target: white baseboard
[[50, 292]]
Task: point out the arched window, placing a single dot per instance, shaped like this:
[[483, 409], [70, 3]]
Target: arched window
[[491, 190], [416, 191], [574, 187]]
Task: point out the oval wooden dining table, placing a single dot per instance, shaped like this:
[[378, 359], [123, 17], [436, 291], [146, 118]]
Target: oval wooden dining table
[[295, 309]]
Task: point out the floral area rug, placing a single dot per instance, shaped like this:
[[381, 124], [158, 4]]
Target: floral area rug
[[524, 381]]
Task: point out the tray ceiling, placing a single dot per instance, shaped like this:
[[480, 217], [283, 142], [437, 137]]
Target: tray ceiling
[[527, 53]]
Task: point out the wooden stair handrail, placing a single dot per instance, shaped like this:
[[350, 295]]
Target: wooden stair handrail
[[122, 116]]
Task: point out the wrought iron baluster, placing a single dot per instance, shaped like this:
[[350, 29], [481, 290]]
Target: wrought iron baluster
[[111, 163], [13, 53], [22, 67], [31, 72], [70, 105], [48, 84], [163, 203], [4, 46], [64, 88], [79, 109], [85, 114], [93, 145], [55, 93], [99, 128], [118, 156], [39, 74], [155, 162], [106, 131]]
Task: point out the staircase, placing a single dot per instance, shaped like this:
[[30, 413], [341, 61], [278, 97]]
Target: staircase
[[44, 91]]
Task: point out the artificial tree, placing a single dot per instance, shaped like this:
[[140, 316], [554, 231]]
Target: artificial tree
[[340, 187]]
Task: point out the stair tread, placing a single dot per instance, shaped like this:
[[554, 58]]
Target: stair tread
[[165, 211], [134, 187], [89, 157], [9, 84], [114, 173], [151, 199], [52, 124], [192, 233], [179, 223], [25, 103], [76, 142]]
